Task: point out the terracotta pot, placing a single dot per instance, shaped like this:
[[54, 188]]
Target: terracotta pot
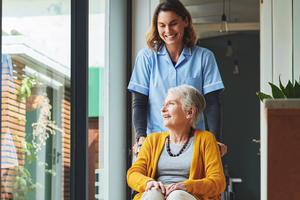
[[283, 149], [36, 98]]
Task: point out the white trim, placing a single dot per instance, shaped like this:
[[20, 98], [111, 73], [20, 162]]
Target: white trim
[[114, 93], [32, 54], [139, 85], [266, 71], [296, 25], [212, 84], [282, 48], [22, 49]]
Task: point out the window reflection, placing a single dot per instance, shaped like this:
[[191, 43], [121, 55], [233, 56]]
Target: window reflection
[[35, 135], [35, 153]]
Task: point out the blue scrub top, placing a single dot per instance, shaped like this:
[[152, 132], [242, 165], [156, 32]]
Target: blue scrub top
[[154, 73]]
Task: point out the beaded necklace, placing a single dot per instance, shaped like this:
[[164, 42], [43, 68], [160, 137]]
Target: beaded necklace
[[182, 149]]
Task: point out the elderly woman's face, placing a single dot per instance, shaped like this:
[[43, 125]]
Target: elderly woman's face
[[172, 112], [170, 27]]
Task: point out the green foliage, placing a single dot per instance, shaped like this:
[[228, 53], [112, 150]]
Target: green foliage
[[50, 171], [290, 91], [29, 151], [27, 84], [22, 120], [24, 183]]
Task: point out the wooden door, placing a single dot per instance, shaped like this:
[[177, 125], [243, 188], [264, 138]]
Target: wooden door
[[93, 155]]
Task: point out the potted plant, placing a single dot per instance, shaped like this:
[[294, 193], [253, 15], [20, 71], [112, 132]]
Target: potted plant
[[35, 99], [281, 140], [25, 89], [31, 91]]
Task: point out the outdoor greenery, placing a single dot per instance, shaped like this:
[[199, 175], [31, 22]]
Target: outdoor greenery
[[24, 183], [27, 84], [25, 90], [281, 92]]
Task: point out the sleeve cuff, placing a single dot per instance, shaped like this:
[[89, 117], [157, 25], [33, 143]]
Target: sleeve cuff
[[134, 87], [213, 87]]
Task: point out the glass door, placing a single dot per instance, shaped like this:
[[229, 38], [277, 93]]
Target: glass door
[[36, 98]]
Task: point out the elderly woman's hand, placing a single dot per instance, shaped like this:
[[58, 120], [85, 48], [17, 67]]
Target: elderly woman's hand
[[175, 186], [156, 185]]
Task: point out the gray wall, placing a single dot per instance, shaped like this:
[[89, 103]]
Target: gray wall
[[241, 110]]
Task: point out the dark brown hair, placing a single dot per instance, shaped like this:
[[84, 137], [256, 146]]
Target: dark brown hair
[[153, 40]]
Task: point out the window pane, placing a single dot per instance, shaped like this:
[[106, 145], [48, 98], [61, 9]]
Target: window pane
[[96, 98], [35, 142]]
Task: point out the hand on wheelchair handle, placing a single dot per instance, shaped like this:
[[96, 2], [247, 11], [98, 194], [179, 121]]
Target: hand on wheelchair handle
[[138, 150]]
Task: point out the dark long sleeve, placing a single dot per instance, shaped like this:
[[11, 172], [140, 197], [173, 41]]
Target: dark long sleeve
[[140, 106], [214, 114]]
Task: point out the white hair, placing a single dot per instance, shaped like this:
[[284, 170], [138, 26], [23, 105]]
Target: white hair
[[190, 97]]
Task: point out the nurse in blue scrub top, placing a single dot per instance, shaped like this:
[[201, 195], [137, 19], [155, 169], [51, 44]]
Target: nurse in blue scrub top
[[173, 59]]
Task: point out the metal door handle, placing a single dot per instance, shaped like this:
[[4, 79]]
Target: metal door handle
[[257, 142], [58, 154]]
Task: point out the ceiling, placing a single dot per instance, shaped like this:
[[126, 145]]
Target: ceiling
[[242, 15]]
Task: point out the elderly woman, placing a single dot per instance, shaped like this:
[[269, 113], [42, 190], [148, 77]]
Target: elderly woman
[[183, 163]]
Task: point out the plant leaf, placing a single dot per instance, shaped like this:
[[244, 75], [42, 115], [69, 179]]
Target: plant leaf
[[297, 89], [22, 120], [35, 80], [281, 87], [24, 82], [22, 181], [31, 158], [276, 92], [16, 185], [21, 169], [38, 185], [27, 173], [27, 84], [22, 96], [32, 187], [28, 90], [50, 171], [24, 188], [29, 145], [289, 89], [263, 96]]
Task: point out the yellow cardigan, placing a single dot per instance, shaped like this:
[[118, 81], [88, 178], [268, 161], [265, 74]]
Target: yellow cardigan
[[206, 179]]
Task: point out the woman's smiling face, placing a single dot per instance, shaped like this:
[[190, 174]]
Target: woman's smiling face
[[171, 27], [172, 112]]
